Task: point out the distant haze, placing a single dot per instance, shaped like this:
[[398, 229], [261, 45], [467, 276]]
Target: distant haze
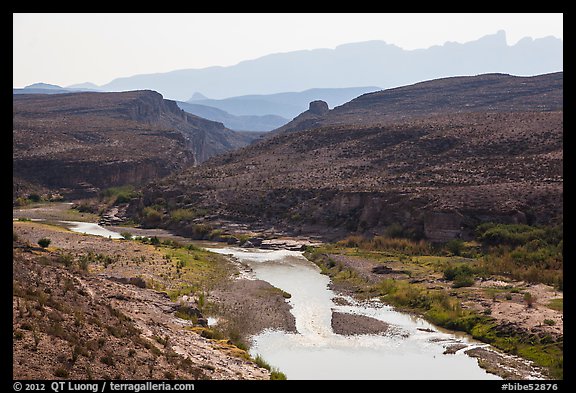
[[75, 48], [372, 63]]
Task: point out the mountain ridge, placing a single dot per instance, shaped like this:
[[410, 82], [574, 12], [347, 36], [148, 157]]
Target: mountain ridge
[[374, 66]]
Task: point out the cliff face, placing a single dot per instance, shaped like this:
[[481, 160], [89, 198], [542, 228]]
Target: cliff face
[[80, 142]]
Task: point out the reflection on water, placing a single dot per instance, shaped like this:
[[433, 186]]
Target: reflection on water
[[90, 228], [316, 352]]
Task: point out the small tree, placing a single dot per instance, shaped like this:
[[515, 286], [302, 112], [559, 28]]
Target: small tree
[[529, 299], [44, 242]]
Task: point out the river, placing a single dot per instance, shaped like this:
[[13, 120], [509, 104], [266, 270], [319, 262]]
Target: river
[[411, 349], [316, 352]]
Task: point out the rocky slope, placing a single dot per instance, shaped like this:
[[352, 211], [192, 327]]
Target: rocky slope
[[436, 158], [466, 94], [100, 323], [80, 142]]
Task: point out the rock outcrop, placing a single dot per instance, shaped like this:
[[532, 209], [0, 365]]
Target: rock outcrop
[[318, 107]]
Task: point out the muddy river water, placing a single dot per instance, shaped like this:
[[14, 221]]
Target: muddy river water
[[411, 349]]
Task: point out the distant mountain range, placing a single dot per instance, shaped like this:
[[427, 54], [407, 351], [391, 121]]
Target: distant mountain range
[[46, 88], [236, 123], [287, 105], [265, 112], [371, 63]]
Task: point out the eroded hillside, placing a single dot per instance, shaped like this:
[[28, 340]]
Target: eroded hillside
[[78, 143], [439, 171]]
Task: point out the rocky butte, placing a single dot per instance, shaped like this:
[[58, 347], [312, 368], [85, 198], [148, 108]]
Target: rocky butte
[[436, 158]]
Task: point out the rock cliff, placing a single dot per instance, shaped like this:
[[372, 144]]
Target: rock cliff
[[80, 142]]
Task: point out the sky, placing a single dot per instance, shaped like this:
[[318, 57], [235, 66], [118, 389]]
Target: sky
[[65, 49]]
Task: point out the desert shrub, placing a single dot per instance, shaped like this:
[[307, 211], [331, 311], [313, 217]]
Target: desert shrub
[[200, 231], [151, 216], [66, 259], [529, 299], [120, 194], [34, 198], [463, 281], [85, 260], [260, 362], [384, 243], [517, 234], [182, 215], [455, 270], [86, 207], [108, 359], [126, 235], [462, 275], [455, 246], [44, 242], [21, 201], [277, 375]]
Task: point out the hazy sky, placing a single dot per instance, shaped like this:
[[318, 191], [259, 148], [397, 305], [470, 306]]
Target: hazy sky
[[66, 49]]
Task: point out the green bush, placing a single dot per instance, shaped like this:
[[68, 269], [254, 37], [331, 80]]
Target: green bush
[[201, 231], [517, 234], [463, 280], [182, 215], [120, 194], [529, 299], [394, 230], [34, 198], [453, 271], [44, 242], [151, 216], [455, 246], [277, 375]]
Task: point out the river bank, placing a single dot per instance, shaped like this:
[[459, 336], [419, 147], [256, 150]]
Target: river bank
[[493, 311]]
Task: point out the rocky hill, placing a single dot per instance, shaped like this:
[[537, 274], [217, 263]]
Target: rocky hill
[[79, 142], [435, 158], [465, 94], [84, 324]]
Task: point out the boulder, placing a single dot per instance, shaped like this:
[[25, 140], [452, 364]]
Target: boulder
[[318, 107], [247, 244]]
